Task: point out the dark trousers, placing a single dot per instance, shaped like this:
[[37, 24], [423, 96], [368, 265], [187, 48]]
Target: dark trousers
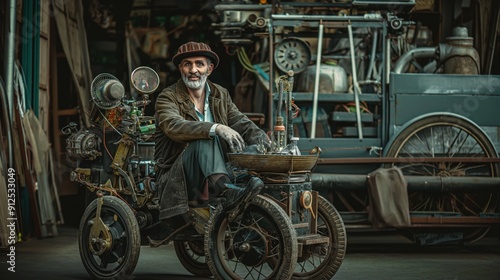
[[201, 159]]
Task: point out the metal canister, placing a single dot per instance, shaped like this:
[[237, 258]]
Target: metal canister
[[333, 79], [459, 55]]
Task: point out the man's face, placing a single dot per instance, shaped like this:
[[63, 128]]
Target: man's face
[[195, 71]]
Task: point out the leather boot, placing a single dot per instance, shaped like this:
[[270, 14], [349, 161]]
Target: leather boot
[[236, 195]]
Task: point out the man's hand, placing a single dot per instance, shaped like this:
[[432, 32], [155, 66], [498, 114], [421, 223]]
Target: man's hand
[[233, 138]]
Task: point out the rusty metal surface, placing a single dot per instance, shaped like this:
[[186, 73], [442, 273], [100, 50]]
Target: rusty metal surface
[[353, 182], [452, 221], [426, 219], [407, 160]]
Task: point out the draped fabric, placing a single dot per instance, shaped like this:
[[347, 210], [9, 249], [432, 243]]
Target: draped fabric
[[388, 198]]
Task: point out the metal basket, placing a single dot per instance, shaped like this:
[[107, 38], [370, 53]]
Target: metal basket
[[274, 162]]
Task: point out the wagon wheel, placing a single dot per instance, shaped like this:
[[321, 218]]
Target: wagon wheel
[[447, 136], [109, 246], [192, 257], [322, 261], [260, 244]]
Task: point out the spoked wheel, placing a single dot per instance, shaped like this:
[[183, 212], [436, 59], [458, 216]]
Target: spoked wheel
[[192, 257], [448, 136], [259, 244], [109, 244], [323, 261]]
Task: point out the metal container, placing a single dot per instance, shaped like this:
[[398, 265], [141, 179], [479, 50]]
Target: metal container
[[274, 162], [459, 55], [333, 79]]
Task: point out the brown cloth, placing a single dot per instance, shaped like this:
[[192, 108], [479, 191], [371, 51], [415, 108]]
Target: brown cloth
[[388, 196]]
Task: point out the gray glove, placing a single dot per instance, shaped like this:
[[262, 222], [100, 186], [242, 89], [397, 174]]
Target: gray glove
[[232, 137]]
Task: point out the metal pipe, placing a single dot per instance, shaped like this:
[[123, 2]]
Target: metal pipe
[[279, 129], [372, 57], [430, 67], [380, 160], [270, 99], [317, 81], [10, 27], [280, 99], [406, 58], [387, 59], [327, 18], [289, 118], [492, 38], [128, 50], [355, 82], [339, 182], [230, 24], [357, 182], [240, 7]]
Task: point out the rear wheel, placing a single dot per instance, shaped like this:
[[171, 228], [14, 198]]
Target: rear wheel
[[110, 243], [192, 257], [259, 244], [447, 136]]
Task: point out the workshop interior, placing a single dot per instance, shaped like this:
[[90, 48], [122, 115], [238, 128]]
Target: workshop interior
[[364, 81]]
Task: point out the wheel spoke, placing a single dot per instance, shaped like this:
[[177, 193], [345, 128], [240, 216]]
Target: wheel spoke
[[462, 204], [103, 264], [419, 169], [460, 146]]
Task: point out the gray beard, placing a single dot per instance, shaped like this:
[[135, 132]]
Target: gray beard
[[195, 84]]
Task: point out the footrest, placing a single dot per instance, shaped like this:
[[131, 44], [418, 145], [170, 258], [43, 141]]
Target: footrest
[[312, 239]]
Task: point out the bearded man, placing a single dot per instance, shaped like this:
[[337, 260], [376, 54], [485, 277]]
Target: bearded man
[[193, 117]]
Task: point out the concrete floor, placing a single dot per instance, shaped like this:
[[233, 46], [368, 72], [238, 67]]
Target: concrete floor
[[376, 256]]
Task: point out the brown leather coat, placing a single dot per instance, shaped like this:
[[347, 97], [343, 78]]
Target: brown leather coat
[[177, 125]]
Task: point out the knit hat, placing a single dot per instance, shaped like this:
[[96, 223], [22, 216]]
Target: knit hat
[[191, 49]]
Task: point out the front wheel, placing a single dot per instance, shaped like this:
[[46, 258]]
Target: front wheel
[[322, 261], [259, 244], [109, 244]]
